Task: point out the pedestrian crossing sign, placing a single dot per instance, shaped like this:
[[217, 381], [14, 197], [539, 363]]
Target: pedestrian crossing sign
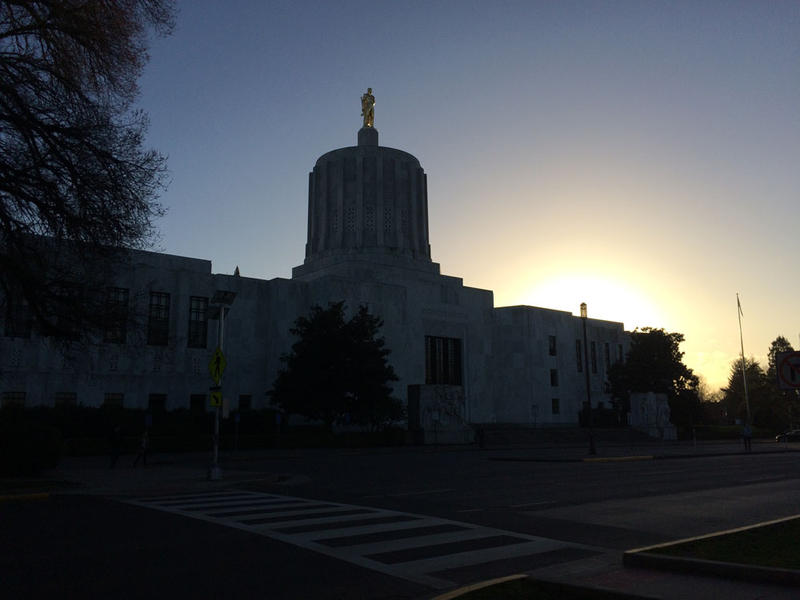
[[217, 365], [216, 398]]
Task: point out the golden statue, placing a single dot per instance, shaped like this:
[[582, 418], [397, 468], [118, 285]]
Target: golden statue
[[368, 108]]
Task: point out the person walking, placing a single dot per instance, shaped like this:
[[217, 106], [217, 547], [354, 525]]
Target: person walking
[[143, 444], [747, 437]]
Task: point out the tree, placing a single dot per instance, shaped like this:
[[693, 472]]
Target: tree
[[338, 370], [76, 184], [654, 363], [762, 406]]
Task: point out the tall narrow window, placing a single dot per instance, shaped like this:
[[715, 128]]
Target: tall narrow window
[[620, 356], [198, 322], [579, 355], [18, 317], [442, 360], [555, 406], [593, 352], [607, 349], [551, 342], [116, 329], [158, 319], [554, 377]]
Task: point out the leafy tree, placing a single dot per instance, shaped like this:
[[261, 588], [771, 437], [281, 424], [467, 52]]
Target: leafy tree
[[654, 363], [75, 180], [763, 409], [779, 344], [338, 370]]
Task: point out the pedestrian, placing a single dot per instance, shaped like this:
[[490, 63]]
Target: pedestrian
[[747, 437], [143, 444], [116, 445]]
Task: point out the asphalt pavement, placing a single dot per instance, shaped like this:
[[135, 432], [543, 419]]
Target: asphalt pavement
[[180, 473]]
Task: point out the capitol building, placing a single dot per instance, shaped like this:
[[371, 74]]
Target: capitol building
[[459, 359]]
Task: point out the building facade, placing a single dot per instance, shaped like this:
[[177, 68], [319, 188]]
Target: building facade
[[458, 358]]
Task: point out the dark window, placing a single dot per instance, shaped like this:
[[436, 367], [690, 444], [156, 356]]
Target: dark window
[[551, 340], [245, 402], [198, 322], [116, 329], [65, 399], [555, 406], [157, 403], [442, 360], [14, 398], [593, 352], [620, 357], [197, 402], [579, 355], [18, 317], [113, 399], [554, 377], [158, 319], [607, 349]]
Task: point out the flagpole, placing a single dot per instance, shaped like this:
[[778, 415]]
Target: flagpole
[[741, 341]]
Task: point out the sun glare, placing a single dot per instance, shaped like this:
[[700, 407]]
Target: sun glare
[[607, 299]]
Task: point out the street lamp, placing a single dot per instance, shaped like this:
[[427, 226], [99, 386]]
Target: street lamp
[[584, 314], [221, 301]]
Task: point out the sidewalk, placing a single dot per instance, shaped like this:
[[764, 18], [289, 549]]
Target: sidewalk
[[649, 451]]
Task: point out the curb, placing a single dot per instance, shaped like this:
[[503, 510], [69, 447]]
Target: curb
[[478, 586], [619, 458], [554, 587], [636, 457], [643, 557], [28, 496]]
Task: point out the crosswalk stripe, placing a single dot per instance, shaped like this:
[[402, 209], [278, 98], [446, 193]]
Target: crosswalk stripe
[[405, 545]]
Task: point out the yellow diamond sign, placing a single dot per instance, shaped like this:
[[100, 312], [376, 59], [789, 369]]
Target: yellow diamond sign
[[216, 398], [217, 365]]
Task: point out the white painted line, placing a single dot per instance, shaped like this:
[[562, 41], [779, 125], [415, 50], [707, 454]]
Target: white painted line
[[420, 492], [416, 542], [313, 536], [475, 557]]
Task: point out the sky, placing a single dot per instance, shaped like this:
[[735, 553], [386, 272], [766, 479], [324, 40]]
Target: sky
[[642, 157]]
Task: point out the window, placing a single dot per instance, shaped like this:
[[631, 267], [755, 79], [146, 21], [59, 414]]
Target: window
[[554, 377], [245, 402], [157, 403], [593, 352], [579, 355], [198, 322], [608, 355], [13, 398], [116, 329], [65, 399], [555, 406], [18, 317], [442, 360], [114, 400], [551, 340], [158, 319], [620, 356], [197, 402]]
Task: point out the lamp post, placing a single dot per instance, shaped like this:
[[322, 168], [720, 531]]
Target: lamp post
[[584, 314], [222, 301]]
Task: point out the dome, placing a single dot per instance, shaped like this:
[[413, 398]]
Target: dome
[[367, 199]]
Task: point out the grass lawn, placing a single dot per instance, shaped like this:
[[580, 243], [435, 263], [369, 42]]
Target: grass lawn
[[775, 545]]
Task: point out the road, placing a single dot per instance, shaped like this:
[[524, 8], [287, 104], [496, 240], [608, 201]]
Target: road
[[379, 524]]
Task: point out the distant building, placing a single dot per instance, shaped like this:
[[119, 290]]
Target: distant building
[[458, 358]]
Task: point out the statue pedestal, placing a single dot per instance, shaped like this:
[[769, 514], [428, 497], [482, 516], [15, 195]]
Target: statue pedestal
[[367, 136]]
